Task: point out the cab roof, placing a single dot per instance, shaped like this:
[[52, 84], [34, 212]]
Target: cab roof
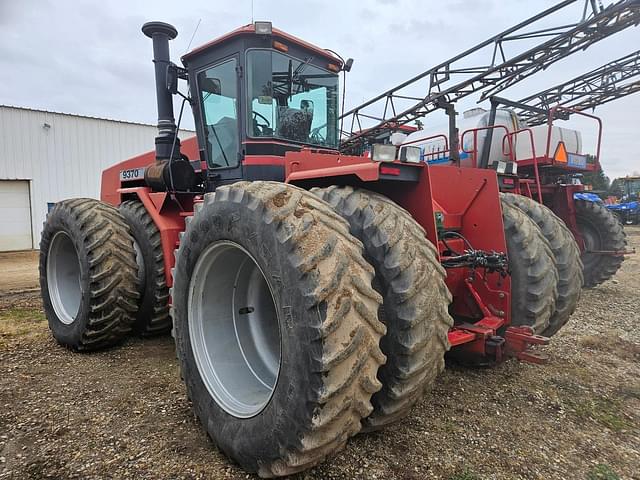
[[276, 34]]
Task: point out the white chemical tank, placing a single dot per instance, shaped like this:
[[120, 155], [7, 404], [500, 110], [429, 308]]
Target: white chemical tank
[[433, 144]]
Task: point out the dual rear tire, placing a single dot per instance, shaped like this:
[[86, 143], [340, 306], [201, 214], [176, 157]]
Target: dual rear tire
[[88, 274], [278, 404], [285, 375]]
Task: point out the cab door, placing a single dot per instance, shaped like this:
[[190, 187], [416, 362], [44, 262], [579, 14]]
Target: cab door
[[219, 103]]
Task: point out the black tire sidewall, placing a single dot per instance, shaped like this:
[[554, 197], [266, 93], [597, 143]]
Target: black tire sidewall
[[61, 219], [283, 421], [141, 236]]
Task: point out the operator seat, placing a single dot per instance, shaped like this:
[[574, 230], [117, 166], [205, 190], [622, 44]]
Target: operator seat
[[294, 124]]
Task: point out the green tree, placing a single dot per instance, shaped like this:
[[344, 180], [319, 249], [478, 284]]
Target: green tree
[[598, 180], [617, 187]]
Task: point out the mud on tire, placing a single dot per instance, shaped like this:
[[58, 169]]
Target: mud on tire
[[601, 230], [153, 306], [326, 314], [415, 298], [566, 255], [87, 274], [534, 277]]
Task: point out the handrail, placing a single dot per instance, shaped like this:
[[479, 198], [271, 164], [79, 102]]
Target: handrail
[[533, 153], [552, 115], [475, 131]]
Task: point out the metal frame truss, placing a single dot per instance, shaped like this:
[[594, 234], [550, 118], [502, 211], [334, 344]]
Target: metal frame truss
[[497, 70], [609, 82]]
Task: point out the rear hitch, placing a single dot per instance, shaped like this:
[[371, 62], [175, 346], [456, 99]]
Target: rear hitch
[[482, 346], [518, 342]]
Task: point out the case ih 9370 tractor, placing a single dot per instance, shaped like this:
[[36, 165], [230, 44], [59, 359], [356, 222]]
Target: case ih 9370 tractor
[[311, 294]]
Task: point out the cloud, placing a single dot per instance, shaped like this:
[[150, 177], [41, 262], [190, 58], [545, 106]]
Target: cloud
[[89, 56]]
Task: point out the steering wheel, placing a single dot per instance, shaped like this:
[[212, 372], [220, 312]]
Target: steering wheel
[[262, 126]]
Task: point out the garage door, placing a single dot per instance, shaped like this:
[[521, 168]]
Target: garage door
[[15, 215]]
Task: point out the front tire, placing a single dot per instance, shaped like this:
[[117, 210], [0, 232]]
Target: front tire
[[415, 298], [601, 230], [284, 375], [87, 274]]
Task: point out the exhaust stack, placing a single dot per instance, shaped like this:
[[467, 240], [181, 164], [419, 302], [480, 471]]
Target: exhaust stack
[[161, 33]]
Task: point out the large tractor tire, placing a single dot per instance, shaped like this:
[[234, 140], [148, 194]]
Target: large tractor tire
[[153, 307], [276, 326], [565, 253], [534, 276], [411, 281], [601, 230], [87, 274]]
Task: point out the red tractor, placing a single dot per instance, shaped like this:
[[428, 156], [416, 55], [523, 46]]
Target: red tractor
[[311, 294]]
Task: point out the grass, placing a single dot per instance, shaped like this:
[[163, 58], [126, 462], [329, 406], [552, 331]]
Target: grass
[[20, 322], [604, 411], [602, 472], [467, 474]]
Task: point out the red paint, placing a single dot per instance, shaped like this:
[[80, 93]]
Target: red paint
[[276, 35], [307, 165], [384, 170], [110, 183], [169, 219], [263, 160]]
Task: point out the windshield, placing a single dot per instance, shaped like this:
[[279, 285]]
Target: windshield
[[291, 99]]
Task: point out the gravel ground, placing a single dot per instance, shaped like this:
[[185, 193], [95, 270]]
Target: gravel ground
[[123, 413]]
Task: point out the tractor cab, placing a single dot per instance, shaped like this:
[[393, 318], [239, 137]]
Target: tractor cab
[[257, 93]]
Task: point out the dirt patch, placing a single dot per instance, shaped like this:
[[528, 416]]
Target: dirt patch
[[123, 413], [19, 271]]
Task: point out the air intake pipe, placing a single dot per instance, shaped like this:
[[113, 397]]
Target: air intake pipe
[[169, 172]]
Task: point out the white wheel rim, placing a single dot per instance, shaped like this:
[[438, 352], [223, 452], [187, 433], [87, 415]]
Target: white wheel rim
[[63, 277], [141, 266], [234, 329]]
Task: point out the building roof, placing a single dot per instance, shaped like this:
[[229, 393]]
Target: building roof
[[85, 116]]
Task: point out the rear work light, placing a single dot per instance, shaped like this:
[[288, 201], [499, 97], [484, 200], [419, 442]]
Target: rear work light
[[410, 154], [263, 28], [383, 153]]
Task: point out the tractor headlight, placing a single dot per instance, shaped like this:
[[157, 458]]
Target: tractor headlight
[[263, 28], [383, 153], [410, 154]]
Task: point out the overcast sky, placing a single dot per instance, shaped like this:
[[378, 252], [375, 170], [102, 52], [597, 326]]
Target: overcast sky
[[89, 56]]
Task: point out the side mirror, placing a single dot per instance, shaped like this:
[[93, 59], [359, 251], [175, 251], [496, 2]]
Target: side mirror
[[348, 64], [211, 85]]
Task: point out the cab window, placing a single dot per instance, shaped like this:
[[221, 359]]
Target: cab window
[[219, 103], [291, 99]]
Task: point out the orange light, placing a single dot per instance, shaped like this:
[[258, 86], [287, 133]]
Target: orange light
[[561, 153], [333, 67], [280, 46]]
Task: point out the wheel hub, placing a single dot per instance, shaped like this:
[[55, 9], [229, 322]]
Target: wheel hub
[[234, 330], [63, 277]]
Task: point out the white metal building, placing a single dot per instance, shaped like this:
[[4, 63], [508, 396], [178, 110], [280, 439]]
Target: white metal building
[[46, 157]]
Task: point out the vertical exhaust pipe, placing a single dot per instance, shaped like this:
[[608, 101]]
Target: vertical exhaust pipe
[[161, 33]]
